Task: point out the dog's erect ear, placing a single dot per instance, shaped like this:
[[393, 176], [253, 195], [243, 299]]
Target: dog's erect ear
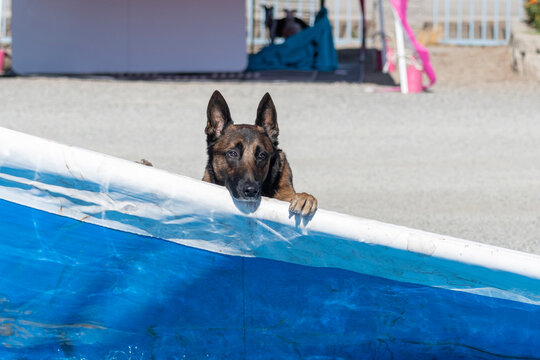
[[218, 116], [267, 117]]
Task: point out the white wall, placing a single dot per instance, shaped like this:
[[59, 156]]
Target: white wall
[[101, 36]]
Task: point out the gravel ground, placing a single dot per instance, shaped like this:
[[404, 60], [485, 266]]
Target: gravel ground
[[462, 159]]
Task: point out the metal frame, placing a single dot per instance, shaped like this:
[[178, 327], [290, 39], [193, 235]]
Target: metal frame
[[489, 18], [254, 12], [4, 38]]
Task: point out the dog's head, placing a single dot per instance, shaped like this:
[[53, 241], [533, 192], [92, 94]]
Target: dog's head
[[244, 158]]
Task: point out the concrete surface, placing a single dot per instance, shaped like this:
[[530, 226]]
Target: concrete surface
[[462, 160]]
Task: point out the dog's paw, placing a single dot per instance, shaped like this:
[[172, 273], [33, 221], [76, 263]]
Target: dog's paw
[[144, 162], [303, 204]]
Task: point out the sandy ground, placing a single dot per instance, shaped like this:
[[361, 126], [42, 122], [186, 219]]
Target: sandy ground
[[462, 159]]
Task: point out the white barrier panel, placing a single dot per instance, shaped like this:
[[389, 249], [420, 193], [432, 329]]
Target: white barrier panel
[[130, 36]]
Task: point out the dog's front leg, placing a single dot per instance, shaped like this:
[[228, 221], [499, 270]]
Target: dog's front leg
[[301, 203]]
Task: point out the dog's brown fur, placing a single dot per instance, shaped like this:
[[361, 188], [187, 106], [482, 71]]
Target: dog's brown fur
[[246, 159]]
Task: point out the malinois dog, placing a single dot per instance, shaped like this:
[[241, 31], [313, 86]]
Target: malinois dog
[[246, 158]]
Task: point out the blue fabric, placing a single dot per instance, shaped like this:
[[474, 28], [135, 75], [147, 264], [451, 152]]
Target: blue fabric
[[310, 49]]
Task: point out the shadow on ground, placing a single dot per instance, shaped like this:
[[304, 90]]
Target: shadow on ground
[[352, 68]]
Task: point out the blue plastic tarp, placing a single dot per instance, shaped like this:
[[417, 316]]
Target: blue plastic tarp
[[310, 49]]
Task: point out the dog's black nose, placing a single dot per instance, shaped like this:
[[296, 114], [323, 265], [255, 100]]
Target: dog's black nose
[[251, 191]]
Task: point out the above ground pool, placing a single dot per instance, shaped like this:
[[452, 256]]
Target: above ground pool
[[102, 258]]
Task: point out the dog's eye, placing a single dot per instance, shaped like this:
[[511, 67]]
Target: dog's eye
[[232, 154], [262, 156]]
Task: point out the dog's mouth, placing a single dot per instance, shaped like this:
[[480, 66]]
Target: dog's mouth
[[246, 205], [238, 196], [245, 192]]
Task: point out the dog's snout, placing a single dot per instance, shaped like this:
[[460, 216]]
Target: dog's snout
[[251, 190]]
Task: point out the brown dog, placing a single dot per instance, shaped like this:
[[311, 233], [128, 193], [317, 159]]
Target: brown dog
[[246, 159]]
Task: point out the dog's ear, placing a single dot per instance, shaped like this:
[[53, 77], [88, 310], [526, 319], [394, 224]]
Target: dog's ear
[[218, 116], [267, 118]]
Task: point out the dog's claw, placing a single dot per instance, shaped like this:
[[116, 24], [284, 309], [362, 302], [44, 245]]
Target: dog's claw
[[314, 206], [303, 204], [292, 206]]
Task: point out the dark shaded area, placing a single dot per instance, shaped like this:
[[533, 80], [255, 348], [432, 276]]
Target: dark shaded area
[[352, 68]]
